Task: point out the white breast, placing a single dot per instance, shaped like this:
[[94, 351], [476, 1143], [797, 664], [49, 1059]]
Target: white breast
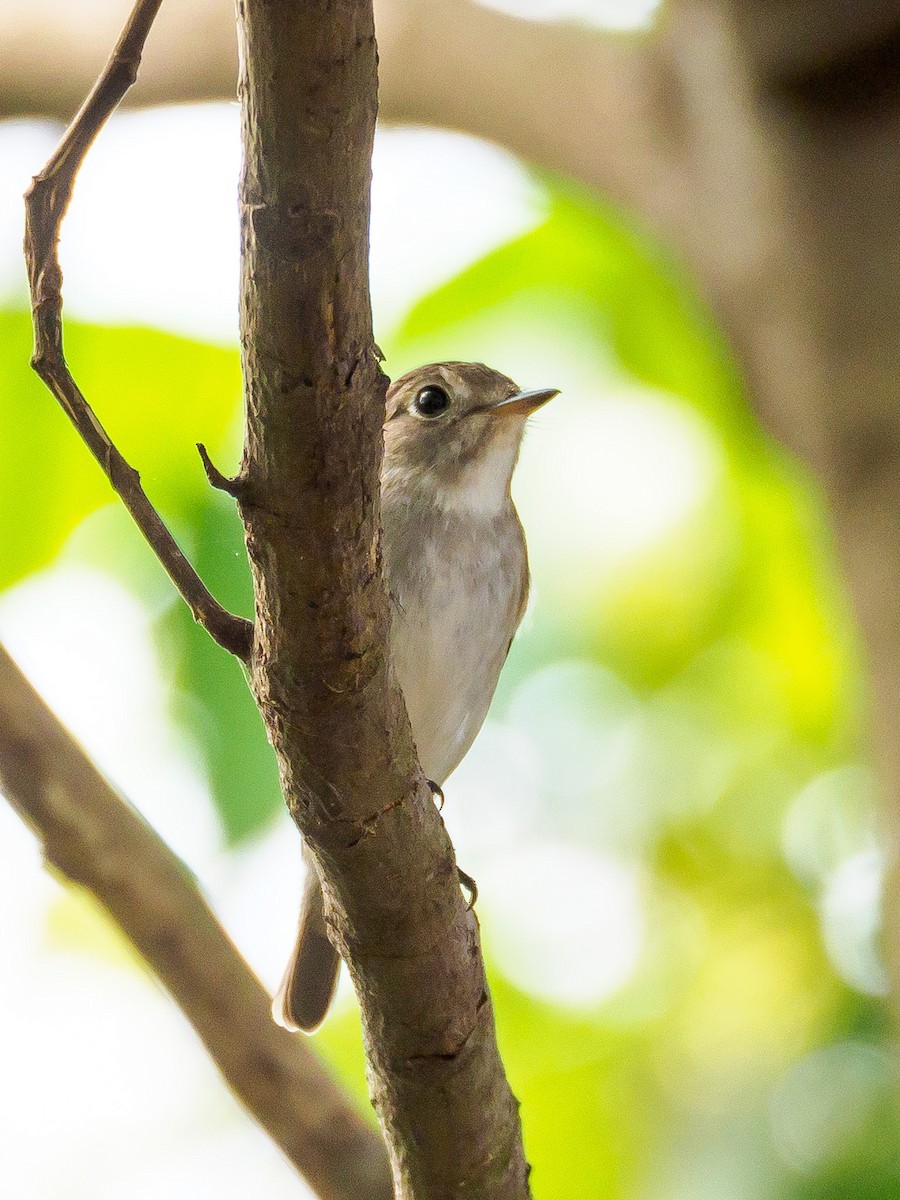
[[457, 591]]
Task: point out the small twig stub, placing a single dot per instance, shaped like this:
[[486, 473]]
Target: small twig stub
[[222, 483]]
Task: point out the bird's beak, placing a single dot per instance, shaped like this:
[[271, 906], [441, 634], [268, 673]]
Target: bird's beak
[[523, 404]]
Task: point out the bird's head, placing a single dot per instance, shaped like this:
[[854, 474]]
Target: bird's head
[[452, 435]]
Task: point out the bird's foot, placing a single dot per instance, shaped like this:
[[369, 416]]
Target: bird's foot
[[437, 793], [469, 885]]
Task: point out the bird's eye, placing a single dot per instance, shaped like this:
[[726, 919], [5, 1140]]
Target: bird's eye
[[431, 401]]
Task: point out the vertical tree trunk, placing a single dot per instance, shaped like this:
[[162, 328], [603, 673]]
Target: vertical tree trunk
[[308, 492]]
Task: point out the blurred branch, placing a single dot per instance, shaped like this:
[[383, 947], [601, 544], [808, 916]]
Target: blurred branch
[[536, 88], [816, 318], [309, 492], [602, 108], [94, 839], [790, 39], [45, 207], [51, 52]]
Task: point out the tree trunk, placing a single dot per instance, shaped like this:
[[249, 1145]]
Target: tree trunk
[[308, 492]]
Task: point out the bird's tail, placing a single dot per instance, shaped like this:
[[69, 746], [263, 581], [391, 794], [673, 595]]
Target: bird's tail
[[305, 995]]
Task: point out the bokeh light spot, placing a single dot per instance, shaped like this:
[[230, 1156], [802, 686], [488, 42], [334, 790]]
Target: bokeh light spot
[[825, 1101], [603, 14], [564, 923], [851, 921]]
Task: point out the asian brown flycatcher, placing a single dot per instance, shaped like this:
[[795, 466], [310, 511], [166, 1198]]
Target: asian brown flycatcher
[[456, 570]]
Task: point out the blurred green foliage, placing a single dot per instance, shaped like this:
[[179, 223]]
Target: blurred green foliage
[[742, 1057]]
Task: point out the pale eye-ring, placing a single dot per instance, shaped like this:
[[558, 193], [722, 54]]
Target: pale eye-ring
[[431, 401]]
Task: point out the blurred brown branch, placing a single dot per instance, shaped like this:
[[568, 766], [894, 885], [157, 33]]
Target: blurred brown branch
[[94, 839]]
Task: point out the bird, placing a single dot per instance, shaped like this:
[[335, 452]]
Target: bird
[[456, 569]]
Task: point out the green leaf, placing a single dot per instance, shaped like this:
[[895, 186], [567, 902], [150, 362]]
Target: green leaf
[[156, 394], [642, 304], [214, 703]]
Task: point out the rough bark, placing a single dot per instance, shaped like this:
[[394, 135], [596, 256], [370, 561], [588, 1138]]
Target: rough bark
[[91, 837], [533, 87], [308, 492]]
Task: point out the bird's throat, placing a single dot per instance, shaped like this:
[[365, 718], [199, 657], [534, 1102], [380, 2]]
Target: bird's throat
[[482, 486]]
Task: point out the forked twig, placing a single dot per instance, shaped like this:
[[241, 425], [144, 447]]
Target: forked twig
[[46, 202]]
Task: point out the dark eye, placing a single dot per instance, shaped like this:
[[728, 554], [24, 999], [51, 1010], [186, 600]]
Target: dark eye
[[431, 401]]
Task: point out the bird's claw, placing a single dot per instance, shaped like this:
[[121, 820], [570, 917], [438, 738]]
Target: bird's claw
[[469, 884], [437, 793]]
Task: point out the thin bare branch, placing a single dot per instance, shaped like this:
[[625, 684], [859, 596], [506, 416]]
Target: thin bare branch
[[46, 203], [91, 836]]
